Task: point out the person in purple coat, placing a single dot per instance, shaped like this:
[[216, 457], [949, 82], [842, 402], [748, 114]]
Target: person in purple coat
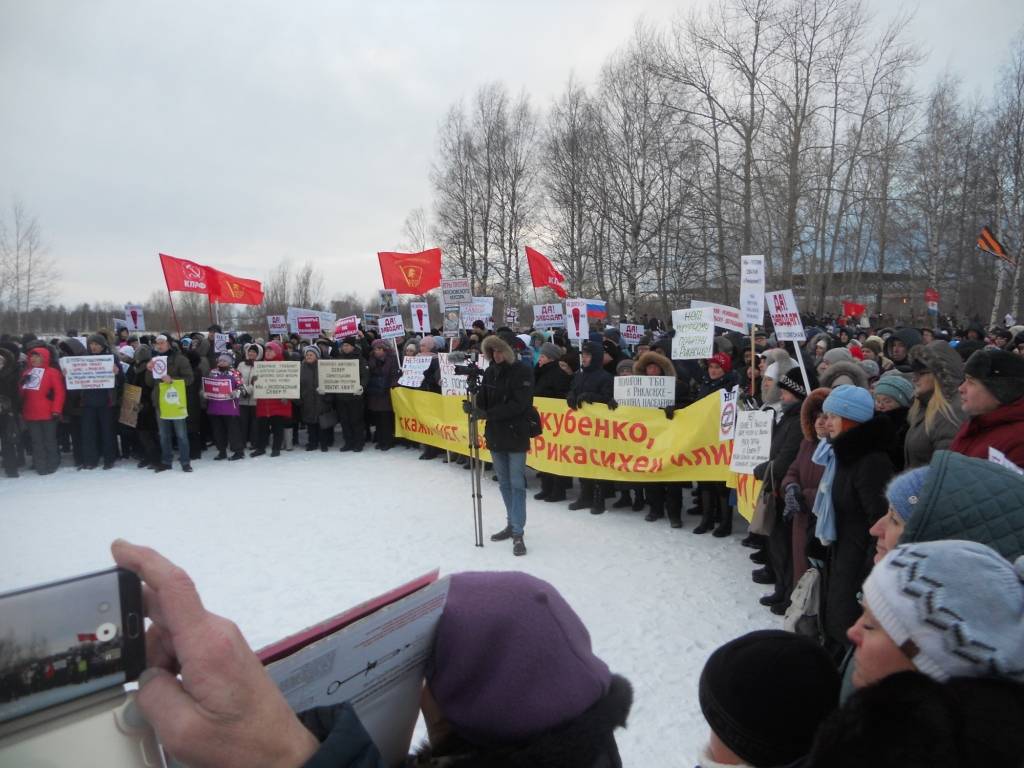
[[224, 413]]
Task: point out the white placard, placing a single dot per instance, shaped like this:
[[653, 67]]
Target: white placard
[[645, 391], [89, 372], [452, 383], [728, 403], [631, 333], [391, 326], [277, 325], [725, 316], [752, 289], [478, 309], [159, 367], [785, 316], [413, 368], [420, 316], [752, 443], [277, 379], [577, 325], [34, 379], [221, 342], [451, 323], [338, 377], [456, 291], [134, 317], [998, 457], [695, 334], [548, 316]]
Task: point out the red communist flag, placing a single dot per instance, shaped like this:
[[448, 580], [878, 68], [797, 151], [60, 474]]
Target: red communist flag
[[414, 273], [853, 309], [544, 273], [228, 289], [185, 275]]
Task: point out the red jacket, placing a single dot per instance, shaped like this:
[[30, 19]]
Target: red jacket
[[267, 408], [1002, 429], [47, 401]]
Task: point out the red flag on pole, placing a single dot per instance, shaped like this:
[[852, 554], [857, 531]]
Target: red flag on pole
[[184, 275], [414, 273], [853, 309], [228, 289], [544, 273]]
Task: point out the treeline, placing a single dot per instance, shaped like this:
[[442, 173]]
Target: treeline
[[789, 128]]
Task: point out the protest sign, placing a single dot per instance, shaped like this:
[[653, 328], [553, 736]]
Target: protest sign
[[221, 341], [34, 379], [388, 301], [728, 404], [576, 323], [785, 317], [391, 326], [294, 313], [89, 372], [752, 442], [752, 289], [131, 403], [277, 380], [413, 368], [159, 367], [308, 326], [511, 317], [134, 317], [476, 310], [173, 406], [217, 389], [456, 291], [450, 325], [645, 391], [695, 334], [339, 377], [729, 318], [371, 322], [625, 445], [548, 316], [346, 326], [631, 333], [277, 325], [451, 382], [420, 316]]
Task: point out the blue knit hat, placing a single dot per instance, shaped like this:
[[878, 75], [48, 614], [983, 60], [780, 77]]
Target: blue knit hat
[[898, 388], [955, 608], [850, 402], [904, 492]]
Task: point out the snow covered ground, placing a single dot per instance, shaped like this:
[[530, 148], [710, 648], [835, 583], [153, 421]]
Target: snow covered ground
[[278, 544]]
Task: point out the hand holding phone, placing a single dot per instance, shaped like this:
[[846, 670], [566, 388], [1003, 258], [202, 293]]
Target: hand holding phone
[[225, 710]]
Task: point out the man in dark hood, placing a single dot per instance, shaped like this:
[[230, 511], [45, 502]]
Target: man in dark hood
[[898, 346]]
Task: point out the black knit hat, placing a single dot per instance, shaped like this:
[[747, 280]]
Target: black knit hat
[[1001, 372], [792, 381], [765, 693]]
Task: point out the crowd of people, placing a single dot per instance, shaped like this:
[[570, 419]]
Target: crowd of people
[[891, 527]]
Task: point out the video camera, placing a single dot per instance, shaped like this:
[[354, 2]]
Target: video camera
[[465, 365]]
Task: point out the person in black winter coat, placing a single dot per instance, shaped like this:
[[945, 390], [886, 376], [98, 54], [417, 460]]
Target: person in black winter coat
[[786, 438], [98, 411], [713, 498], [550, 380], [591, 384], [505, 400], [10, 407], [431, 383], [897, 347], [350, 407]]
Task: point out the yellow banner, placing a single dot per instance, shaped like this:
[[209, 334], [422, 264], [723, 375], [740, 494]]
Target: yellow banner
[[624, 445]]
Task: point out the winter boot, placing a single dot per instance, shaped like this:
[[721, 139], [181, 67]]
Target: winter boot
[[518, 547], [221, 455], [597, 505], [546, 483], [760, 557], [698, 503], [586, 497], [724, 519], [639, 499], [624, 500], [237, 456], [503, 535], [763, 575], [707, 519]]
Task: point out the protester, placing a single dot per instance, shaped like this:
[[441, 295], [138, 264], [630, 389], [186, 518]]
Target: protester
[[505, 400], [591, 384], [740, 690], [316, 407], [42, 401], [384, 373], [247, 402], [713, 498], [992, 397], [935, 415], [98, 411], [665, 497], [350, 405], [550, 380], [225, 414], [272, 414], [893, 397], [897, 347], [10, 406]]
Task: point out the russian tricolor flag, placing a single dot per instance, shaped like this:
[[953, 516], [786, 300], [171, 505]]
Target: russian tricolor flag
[[597, 309]]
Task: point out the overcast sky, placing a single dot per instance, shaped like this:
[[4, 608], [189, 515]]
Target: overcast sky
[[239, 133]]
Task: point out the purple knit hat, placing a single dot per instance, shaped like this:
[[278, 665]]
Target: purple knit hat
[[511, 659]]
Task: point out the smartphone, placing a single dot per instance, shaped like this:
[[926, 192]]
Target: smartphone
[[69, 639]]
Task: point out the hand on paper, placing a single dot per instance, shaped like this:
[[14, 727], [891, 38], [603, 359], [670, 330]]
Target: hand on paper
[[612, 404], [224, 710], [166, 379]]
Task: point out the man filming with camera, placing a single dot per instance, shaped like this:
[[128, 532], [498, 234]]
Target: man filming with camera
[[505, 400]]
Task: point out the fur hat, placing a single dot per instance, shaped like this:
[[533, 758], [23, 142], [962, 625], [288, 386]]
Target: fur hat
[[1001, 373], [844, 372], [810, 410], [836, 355], [497, 343], [655, 358], [942, 361]]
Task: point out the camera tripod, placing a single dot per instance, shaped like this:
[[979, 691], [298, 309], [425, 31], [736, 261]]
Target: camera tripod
[[476, 465]]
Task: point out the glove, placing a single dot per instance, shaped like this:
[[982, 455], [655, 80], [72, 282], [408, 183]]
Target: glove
[[612, 404], [236, 394], [467, 407], [582, 400], [792, 502], [572, 402], [670, 412]]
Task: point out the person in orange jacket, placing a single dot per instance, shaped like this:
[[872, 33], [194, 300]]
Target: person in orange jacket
[[42, 401]]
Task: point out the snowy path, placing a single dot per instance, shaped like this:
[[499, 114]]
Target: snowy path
[[278, 544]]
